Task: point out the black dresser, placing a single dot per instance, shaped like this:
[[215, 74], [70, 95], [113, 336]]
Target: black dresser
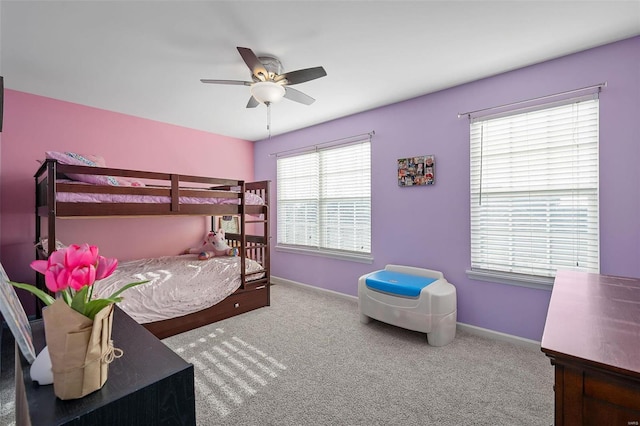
[[148, 385]]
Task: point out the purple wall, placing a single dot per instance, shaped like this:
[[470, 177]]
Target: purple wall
[[429, 226]]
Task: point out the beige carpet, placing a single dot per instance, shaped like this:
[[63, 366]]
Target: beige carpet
[[307, 360]]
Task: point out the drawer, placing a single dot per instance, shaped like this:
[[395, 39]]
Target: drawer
[[597, 413], [238, 303], [615, 390], [243, 301]]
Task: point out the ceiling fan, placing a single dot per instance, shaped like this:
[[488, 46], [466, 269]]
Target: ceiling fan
[[269, 83]]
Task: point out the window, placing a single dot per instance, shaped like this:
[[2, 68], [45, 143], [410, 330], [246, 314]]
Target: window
[[534, 192], [324, 201]]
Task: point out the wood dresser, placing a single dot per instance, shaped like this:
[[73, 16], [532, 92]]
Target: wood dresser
[[592, 335], [149, 385]]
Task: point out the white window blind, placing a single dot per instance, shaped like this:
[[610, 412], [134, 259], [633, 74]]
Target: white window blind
[[534, 191], [324, 199]]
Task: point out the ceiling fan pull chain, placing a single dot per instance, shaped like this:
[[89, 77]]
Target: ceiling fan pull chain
[[268, 118]]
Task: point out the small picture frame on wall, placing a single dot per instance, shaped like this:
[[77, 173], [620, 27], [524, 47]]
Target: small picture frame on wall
[[416, 171], [229, 224]]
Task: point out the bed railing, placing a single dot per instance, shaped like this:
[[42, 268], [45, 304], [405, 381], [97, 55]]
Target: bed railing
[[253, 238], [169, 185]]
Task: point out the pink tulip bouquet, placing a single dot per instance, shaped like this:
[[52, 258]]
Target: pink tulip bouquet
[[71, 272]]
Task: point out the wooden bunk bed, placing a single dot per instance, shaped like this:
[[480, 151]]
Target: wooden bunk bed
[[172, 195]]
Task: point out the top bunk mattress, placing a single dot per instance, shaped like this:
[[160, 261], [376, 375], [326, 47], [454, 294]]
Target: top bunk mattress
[[250, 198]]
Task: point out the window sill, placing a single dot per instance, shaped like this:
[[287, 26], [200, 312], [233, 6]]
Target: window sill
[[361, 258], [530, 281]]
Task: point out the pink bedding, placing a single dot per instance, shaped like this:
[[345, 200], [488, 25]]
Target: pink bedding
[[251, 199]]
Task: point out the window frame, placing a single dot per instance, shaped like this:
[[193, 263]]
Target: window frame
[[322, 249], [519, 278]]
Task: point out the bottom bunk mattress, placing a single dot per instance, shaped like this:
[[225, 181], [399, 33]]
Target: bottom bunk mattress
[[178, 285]]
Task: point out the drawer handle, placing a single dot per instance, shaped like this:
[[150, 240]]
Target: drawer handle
[[236, 305]]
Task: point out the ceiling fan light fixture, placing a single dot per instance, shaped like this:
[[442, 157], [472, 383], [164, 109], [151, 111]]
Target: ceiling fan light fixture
[[267, 91]]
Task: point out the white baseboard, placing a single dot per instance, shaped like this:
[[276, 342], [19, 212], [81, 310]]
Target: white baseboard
[[478, 331], [496, 335], [277, 280]]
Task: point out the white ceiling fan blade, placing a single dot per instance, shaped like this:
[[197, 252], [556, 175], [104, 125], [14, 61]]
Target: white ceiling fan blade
[[253, 102], [297, 96]]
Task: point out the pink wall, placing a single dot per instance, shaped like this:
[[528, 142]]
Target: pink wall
[[35, 124]]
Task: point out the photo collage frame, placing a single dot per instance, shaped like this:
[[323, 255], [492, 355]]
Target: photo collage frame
[[416, 171]]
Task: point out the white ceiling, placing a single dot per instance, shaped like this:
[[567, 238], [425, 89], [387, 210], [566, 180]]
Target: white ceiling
[[146, 58]]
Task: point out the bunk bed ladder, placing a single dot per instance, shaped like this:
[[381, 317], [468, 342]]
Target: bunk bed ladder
[[243, 236], [260, 251]]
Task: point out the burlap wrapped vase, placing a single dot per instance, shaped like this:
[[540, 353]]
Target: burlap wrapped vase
[[80, 349]]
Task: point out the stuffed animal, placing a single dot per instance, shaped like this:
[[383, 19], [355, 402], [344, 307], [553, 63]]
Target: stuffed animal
[[213, 245]]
